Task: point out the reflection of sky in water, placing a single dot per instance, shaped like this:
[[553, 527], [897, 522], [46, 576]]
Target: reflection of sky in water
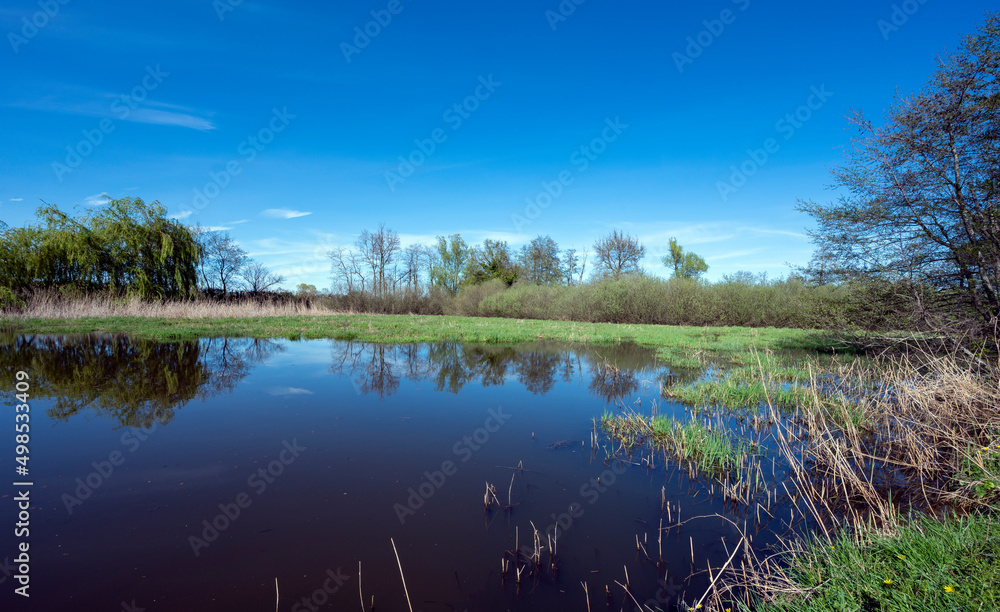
[[375, 420]]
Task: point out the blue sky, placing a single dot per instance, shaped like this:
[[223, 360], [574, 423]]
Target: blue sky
[[286, 123]]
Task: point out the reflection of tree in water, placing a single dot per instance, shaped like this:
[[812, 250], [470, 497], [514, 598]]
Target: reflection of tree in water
[[133, 382], [610, 382], [230, 360], [376, 368], [371, 366], [538, 370]]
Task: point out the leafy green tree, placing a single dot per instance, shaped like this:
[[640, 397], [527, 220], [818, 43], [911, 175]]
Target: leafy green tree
[[453, 255], [921, 190], [306, 290], [492, 261], [685, 265]]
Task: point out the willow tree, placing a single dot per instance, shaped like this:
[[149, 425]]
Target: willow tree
[[920, 209], [124, 246]]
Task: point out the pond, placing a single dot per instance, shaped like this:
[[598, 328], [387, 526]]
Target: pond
[[223, 474]]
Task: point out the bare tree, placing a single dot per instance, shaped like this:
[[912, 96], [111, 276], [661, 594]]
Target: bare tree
[[259, 278], [378, 251], [571, 265], [222, 260], [415, 258], [619, 253], [345, 270]]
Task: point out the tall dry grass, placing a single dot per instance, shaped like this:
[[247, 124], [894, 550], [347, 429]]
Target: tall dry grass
[[53, 305]]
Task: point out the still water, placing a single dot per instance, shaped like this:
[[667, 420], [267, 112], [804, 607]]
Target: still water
[[196, 475]]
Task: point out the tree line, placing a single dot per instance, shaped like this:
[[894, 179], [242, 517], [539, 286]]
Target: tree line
[[379, 265]]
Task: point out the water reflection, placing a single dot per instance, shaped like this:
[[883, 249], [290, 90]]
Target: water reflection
[[136, 382], [132, 382], [613, 371]]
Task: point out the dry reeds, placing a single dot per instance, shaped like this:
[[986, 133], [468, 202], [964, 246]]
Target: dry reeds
[[53, 305], [891, 437]]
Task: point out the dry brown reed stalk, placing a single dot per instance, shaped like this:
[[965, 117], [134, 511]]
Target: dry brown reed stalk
[[52, 305], [509, 490], [403, 578]]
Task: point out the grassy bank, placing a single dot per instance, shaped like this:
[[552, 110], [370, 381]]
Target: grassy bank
[[680, 346], [926, 564]]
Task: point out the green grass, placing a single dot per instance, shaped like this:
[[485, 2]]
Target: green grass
[[710, 452], [929, 564], [675, 345], [734, 394]]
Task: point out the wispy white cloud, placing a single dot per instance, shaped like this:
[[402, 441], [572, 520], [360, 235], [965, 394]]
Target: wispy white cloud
[[16, 199], [184, 214], [733, 255], [773, 232], [163, 117], [75, 100], [98, 199], [283, 213], [238, 222], [217, 228]]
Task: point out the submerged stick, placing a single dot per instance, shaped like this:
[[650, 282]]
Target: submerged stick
[[400, 564]]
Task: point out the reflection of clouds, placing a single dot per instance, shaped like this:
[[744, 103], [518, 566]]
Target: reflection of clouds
[[289, 391]]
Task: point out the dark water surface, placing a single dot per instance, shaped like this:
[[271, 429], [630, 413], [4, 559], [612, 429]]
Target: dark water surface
[[191, 475]]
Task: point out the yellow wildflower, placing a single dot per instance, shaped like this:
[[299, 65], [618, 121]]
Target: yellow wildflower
[[949, 589], [888, 581]]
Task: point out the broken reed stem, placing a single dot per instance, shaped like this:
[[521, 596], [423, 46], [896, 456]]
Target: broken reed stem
[[403, 578], [586, 594], [277, 595], [360, 595], [509, 489]]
